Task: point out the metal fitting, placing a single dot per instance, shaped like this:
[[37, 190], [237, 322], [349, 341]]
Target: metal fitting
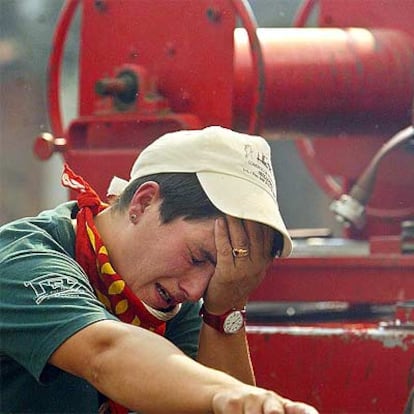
[[349, 211]]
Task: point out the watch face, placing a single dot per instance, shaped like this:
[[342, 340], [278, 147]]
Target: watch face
[[233, 322]]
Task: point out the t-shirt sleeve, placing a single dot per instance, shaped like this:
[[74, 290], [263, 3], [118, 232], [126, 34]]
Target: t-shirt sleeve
[[184, 329], [45, 297]]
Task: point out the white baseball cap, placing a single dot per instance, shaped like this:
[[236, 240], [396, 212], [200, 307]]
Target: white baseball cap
[[234, 170]]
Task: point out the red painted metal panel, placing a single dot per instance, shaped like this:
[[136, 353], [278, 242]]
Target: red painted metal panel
[[374, 278], [187, 51], [342, 369], [115, 140]]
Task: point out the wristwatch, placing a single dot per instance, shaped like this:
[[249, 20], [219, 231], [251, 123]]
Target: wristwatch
[[227, 323]]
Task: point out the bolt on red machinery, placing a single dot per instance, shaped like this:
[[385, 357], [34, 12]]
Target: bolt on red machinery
[[327, 326]]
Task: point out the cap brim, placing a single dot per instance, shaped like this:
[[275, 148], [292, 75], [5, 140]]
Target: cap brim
[[242, 199]]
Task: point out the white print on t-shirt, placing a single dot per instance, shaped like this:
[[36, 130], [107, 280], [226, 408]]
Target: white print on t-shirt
[[52, 286]]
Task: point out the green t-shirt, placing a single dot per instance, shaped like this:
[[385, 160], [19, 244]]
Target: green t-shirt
[[45, 297]]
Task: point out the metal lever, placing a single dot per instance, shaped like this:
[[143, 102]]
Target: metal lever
[[46, 144]]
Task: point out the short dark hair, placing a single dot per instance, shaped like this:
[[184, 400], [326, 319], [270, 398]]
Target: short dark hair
[[182, 196], [181, 193]]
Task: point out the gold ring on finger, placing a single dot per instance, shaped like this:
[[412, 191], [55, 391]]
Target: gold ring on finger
[[237, 253]]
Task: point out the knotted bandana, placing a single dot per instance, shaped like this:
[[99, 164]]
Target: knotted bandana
[[92, 256]]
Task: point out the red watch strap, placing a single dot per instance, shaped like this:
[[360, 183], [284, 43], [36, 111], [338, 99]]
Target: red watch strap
[[217, 321]]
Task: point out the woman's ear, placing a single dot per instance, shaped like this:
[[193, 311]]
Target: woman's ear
[[146, 195]]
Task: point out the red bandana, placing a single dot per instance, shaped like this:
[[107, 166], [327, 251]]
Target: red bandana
[[93, 257]]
